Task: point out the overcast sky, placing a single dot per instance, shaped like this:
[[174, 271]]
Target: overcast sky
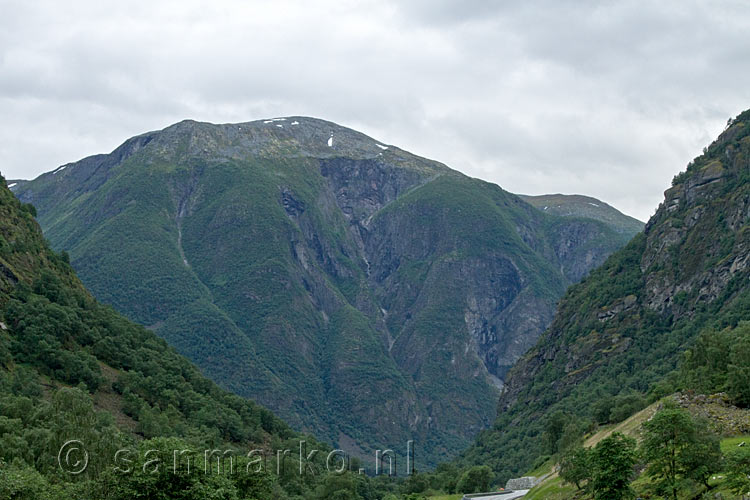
[[609, 99]]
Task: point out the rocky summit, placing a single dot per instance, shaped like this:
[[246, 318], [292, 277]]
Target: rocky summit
[[361, 292]]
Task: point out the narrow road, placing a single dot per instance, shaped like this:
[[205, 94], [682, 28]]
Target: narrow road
[[515, 494], [505, 496]]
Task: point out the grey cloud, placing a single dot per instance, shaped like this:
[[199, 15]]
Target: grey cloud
[[609, 99]]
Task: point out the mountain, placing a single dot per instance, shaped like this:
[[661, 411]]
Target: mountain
[[620, 332], [576, 205], [361, 292], [73, 369]]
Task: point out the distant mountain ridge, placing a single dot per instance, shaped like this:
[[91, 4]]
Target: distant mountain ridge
[[576, 205], [361, 292]]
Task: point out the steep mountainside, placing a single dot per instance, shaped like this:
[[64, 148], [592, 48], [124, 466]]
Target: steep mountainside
[[621, 329], [361, 292], [576, 205], [71, 368]]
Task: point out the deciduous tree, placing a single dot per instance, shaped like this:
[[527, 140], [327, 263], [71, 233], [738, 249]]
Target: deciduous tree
[[613, 458]]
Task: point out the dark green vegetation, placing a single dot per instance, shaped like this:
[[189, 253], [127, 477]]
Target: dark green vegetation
[[738, 464], [618, 336], [677, 448], [613, 460], [720, 362], [362, 293], [54, 335], [72, 369], [576, 466], [604, 471], [475, 480]]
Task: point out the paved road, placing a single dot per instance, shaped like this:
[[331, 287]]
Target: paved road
[[507, 496], [515, 494]]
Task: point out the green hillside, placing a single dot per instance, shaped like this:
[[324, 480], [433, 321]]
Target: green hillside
[[362, 293], [73, 369], [618, 335], [709, 417]]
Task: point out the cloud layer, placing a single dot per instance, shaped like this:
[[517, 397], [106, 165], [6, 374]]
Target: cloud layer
[[609, 99]]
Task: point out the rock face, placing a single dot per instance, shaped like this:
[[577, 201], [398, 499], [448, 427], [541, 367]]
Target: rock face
[[361, 292], [626, 324], [728, 419], [522, 483]]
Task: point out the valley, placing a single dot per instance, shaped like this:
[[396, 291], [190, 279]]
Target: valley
[[364, 294]]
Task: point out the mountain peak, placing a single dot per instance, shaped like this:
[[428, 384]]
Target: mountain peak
[[320, 271], [291, 135]]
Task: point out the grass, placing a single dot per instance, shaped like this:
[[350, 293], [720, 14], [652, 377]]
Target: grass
[[543, 469], [630, 426], [729, 444], [552, 489]]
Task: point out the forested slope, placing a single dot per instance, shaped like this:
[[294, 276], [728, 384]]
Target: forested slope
[[620, 333]]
